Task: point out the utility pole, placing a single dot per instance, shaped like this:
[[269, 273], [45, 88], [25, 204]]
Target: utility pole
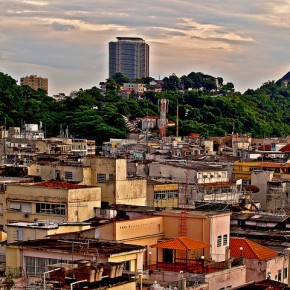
[[177, 119], [4, 145]]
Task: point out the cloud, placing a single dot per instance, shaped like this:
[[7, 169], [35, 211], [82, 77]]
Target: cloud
[[36, 2], [67, 41]]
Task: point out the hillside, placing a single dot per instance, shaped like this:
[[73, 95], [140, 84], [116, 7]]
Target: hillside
[[90, 114]]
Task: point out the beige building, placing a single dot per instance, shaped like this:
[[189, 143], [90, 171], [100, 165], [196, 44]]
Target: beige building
[[110, 174], [57, 201], [137, 88], [35, 82], [51, 169]]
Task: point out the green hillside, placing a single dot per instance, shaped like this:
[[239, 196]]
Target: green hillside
[[90, 114]]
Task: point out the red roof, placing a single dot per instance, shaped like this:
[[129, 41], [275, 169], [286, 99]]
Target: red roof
[[58, 184], [181, 243], [150, 117], [250, 250], [286, 148], [265, 147]]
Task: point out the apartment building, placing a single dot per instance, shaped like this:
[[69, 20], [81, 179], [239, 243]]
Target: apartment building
[[51, 200], [139, 89], [35, 82]]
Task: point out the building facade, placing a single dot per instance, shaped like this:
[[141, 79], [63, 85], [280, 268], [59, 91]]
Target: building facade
[[35, 82], [129, 56]]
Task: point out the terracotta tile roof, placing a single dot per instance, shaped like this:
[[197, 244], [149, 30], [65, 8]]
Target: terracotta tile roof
[[286, 148], [251, 250], [181, 243]]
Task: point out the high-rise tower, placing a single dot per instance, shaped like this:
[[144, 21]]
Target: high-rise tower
[[129, 56]]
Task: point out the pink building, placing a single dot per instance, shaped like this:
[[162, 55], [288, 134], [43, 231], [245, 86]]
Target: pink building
[[261, 262]]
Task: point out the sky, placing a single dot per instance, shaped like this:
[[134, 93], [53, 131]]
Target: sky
[[245, 42]]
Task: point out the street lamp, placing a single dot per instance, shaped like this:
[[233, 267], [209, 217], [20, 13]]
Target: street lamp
[[241, 255], [202, 263], [241, 251], [150, 254]]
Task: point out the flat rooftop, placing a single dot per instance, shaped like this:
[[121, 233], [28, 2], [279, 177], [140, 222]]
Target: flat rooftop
[[46, 224], [89, 246]]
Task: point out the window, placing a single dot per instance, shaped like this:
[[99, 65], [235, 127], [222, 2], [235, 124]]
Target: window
[[57, 174], [68, 175], [51, 208], [21, 206], [20, 235], [127, 265], [101, 178], [1, 208], [2, 258], [219, 241], [279, 275], [15, 205], [225, 240], [111, 177], [166, 194], [285, 274], [26, 207], [36, 266]]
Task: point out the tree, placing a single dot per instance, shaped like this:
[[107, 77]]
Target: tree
[[120, 79]]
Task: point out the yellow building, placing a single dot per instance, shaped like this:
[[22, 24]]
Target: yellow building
[[243, 169], [164, 195]]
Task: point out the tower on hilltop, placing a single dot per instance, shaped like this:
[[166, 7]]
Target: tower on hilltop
[[129, 56]]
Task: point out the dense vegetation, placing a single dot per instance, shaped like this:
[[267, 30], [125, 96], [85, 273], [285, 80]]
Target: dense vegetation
[[203, 109]]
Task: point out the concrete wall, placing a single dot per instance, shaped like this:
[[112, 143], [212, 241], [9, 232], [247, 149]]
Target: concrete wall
[[201, 227], [126, 230], [260, 179], [48, 171], [197, 227], [131, 192], [220, 226], [258, 270], [120, 189], [166, 172], [225, 278]]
